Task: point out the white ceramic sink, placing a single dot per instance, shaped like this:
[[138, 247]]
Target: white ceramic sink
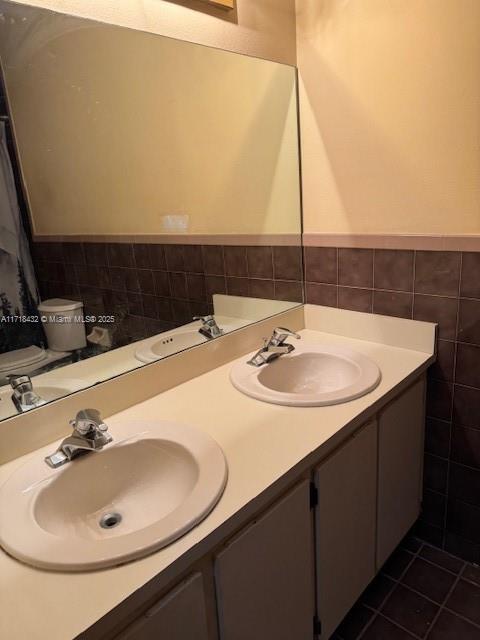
[[310, 376], [152, 484]]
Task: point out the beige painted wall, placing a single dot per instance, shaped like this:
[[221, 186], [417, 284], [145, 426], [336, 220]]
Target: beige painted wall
[[117, 128], [390, 110], [263, 28]]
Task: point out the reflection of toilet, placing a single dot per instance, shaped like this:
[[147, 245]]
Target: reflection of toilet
[[26, 361], [63, 324]]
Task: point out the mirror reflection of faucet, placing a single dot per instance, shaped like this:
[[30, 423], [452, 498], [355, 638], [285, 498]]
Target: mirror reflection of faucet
[[209, 328], [24, 397]]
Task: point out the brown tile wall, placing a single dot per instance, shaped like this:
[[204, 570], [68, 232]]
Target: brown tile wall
[[435, 286], [152, 288]]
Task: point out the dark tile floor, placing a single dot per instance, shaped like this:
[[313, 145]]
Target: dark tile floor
[[422, 593]]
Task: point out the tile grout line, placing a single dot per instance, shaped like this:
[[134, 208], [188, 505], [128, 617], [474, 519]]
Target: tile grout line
[[273, 269], [414, 276], [400, 626], [373, 280], [419, 593], [460, 464], [413, 634], [444, 602], [337, 265], [460, 615], [397, 582], [458, 576], [439, 566], [441, 606], [452, 406], [470, 580], [401, 291]]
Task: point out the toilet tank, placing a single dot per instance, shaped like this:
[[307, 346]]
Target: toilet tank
[[63, 324]]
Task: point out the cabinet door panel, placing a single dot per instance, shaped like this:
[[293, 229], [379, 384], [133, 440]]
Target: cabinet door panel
[[179, 615], [400, 455], [264, 576], [345, 526]]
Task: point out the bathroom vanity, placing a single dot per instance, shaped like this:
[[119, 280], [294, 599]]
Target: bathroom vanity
[[339, 522], [316, 500]]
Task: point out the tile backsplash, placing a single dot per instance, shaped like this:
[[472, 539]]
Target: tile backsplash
[[153, 287], [436, 286]]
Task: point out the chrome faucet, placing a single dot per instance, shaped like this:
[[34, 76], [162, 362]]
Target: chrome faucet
[[274, 347], [209, 328], [24, 397], [90, 433]]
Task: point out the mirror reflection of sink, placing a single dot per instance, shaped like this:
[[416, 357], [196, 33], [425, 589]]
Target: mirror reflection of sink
[[48, 388], [150, 486], [168, 344], [310, 376]]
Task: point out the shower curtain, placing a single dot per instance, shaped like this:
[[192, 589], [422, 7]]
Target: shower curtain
[[18, 287]]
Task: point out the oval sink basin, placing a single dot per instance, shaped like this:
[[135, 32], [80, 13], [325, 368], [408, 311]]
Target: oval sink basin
[[167, 345], [150, 486], [310, 376]]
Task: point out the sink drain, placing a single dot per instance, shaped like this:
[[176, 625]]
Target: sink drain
[[110, 520]]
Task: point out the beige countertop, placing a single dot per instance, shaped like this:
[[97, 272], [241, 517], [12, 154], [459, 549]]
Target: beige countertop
[[263, 443]]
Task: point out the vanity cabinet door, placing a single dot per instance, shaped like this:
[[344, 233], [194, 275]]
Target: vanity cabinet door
[[179, 615], [401, 431], [345, 522], [264, 576]]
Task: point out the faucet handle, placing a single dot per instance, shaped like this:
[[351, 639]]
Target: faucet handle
[[280, 334], [87, 420], [204, 319], [17, 380]]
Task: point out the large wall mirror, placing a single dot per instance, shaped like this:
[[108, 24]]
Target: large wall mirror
[[145, 184]]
